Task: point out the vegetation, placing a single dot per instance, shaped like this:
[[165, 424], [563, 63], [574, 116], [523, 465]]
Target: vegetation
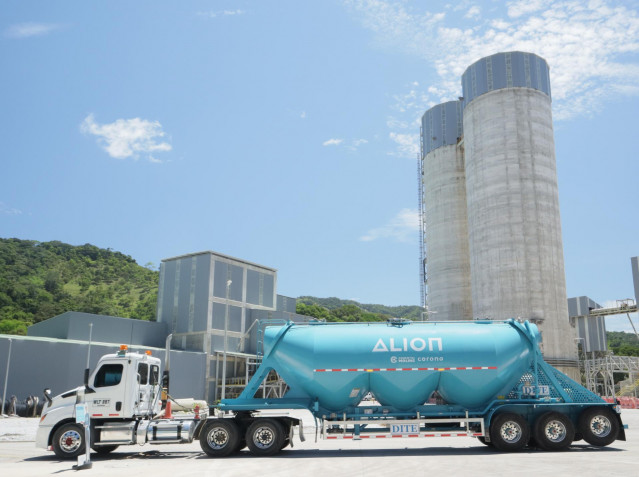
[[335, 309], [623, 344], [39, 280]]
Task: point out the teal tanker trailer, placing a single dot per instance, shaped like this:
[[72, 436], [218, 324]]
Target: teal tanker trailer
[[489, 377], [480, 379]]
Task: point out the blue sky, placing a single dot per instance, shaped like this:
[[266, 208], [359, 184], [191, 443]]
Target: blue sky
[[286, 132]]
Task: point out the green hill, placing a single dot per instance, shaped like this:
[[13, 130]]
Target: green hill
[[335, 309], [39, 280]]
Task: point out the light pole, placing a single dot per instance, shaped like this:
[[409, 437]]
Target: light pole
[[589, 385], [226, 343], [6, 378]]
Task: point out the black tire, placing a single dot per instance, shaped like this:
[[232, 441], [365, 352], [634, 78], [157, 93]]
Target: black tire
[[68, 441], [103, 450], [599, 426], [509, 432], [483, 440], [265, 437], [220, 437], [554, 431]]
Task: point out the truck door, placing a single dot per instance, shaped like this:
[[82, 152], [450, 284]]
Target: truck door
[[147, 387], [110, 391]]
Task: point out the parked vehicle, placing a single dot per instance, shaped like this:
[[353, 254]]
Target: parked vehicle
[[489, 377]]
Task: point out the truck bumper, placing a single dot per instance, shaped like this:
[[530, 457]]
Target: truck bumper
[[42, 436]]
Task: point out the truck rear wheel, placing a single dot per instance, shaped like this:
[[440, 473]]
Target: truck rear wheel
[[68, 441], [265, 437], [554, 431], [509, 432], [220, 437], [598, 426]]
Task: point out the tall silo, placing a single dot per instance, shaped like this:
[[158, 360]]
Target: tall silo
[[517, 264], [444, 203]]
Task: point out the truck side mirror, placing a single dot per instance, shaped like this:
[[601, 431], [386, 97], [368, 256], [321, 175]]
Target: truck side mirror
[[47, 396]]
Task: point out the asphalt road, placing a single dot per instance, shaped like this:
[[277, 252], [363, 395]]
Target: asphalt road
[[437, 456]]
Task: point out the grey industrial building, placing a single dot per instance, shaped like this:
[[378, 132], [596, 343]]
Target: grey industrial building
[[200, 295]]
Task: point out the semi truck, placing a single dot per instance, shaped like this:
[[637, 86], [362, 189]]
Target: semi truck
[[482, 379]]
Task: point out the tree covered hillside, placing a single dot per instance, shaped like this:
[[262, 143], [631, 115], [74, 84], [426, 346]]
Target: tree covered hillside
[[335, 309], [39, 280]]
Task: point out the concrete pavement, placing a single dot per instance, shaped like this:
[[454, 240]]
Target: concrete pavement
[[408, 457]]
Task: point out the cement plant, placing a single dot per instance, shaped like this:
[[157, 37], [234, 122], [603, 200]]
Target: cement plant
[[502, 356]]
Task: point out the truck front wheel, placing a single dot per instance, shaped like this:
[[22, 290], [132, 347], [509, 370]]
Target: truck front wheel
[[220, 437], [68, 441], [509, 432]]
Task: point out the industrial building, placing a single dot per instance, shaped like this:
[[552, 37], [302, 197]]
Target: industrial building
[[209, 302]]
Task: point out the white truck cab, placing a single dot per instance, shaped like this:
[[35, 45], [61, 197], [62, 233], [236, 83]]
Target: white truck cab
[[124, 388]]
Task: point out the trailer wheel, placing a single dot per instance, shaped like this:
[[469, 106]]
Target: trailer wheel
[[554, 431], [68, 441], [265, 437], [220, 437], [509, 432], [598, 426], [103, 450]]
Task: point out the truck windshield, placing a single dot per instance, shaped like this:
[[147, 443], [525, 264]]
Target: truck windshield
[[108, 375]]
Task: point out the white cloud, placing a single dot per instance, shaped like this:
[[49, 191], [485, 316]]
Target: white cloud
[[404, 227], [520, 8], [127, 137], [351, 145], [473, 12], [29, 29], [221, 13], [591, 47], [407, 144], [8, 210], [303, 115]]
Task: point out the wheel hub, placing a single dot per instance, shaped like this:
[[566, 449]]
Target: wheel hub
[[218, 438], [70, 441], [600, 426], [511, 432], [263, 437], [555, 431]]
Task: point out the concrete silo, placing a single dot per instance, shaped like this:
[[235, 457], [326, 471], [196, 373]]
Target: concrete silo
[[516, 255], [444, 204]]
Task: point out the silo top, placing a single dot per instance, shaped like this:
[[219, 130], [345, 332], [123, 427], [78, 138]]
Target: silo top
[[505, 70], [441, 126]]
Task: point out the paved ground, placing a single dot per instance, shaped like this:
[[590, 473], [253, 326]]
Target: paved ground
[[405, 457]]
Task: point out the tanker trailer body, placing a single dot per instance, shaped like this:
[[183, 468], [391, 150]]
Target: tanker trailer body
[[483, 379]]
